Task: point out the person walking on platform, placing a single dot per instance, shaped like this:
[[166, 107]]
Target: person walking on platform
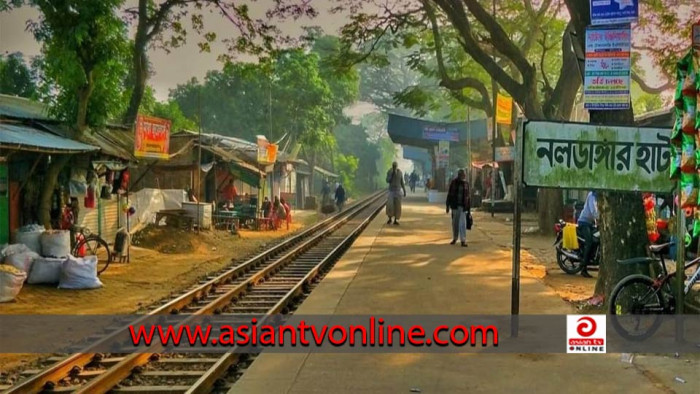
[[458, 202], [340, 197], [413, 180], [395, 179]]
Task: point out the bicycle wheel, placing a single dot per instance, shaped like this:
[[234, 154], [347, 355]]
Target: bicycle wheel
[[96, 246], [636, 307]]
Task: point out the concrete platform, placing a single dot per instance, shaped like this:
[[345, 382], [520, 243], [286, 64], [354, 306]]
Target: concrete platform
[[411, 269]]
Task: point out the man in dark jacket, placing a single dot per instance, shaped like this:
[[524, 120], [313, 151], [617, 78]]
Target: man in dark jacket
[[458, 202], [340, 197]]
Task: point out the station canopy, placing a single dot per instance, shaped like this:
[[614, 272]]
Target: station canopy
[[425, 134]]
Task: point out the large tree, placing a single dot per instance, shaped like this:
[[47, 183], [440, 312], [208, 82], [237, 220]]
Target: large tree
[[84, 49], [83, 55]]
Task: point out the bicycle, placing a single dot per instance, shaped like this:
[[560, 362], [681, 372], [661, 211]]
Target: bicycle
[[646, 298], [88, 244]]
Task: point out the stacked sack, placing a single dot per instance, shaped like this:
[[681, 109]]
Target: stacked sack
[[685, 137], [19, 263]]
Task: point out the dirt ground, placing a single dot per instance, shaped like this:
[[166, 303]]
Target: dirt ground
[[538, 255], [179, 260]]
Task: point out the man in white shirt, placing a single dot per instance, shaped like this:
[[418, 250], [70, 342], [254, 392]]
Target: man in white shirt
[[394, 178]]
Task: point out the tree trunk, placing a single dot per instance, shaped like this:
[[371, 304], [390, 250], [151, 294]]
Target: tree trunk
[[550, 208], [59, 161], [623, 235], [139, 64], [140, 69], [84, 94], [623, 230]]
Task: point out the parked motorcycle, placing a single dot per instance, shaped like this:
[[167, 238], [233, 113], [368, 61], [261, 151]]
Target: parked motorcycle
[[570, 261]]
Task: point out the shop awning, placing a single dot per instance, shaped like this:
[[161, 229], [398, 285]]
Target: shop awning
[[245, 174], [24, 138], [325, 172]]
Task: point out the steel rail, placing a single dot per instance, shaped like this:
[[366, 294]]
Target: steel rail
[[208, 380], [110, 378], [61, 369]]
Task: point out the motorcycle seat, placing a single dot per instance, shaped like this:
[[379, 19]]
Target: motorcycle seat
[[660, 249], [638, 260]]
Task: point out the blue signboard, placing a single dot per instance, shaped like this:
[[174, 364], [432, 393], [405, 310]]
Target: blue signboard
[[608, 12], [440, 134]]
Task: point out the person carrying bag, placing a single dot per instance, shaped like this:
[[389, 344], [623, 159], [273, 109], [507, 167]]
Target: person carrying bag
[[458, 202]]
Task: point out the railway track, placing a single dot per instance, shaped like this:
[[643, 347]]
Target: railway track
[[273, 282]]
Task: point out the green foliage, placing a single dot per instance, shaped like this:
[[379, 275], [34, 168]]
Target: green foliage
[[346, 166], [167, 110], [287, 94], [16, 77], [344, 83], [84, 49], [353, 140], [643, 102]]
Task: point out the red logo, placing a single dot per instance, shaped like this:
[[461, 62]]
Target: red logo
[[586, 326]]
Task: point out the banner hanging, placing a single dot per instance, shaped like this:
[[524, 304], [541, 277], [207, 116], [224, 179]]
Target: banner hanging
[[504, 109], [152, 137]]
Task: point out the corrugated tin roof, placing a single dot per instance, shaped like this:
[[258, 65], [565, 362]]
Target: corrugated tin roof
[[23, 108], [26, 138], [325, 172]]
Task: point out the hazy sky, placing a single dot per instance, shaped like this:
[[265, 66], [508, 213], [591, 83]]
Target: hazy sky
[[170, 69]]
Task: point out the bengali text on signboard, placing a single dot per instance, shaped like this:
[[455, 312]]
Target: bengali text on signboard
[[607, 71], [152, 137], [610, 12], [583, 156], [440, 134]]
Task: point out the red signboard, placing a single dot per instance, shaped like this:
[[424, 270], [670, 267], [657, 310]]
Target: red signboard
[[152, 137]]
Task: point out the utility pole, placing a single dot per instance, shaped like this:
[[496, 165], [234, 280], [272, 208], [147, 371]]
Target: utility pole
[[469, 146], [199, 160], [494, 90]]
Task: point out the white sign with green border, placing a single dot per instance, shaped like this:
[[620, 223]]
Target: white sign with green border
[[586, 156]]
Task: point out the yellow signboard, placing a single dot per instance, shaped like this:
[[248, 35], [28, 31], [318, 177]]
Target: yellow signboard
[[504, 108], [152, 137], [267, 152]]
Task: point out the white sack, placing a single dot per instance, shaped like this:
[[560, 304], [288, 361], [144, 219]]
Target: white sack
[[11, 281], [56, 244], [79, 273], [45, 270]]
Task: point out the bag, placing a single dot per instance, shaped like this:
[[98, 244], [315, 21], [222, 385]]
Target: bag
[[470, 220], [79, 273], [30, 236], [11, 281], [570, 240], [45, 270], [56, 244], [22, 260]]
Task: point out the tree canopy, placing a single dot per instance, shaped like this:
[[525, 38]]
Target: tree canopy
[[16, 77], [84, 49]]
